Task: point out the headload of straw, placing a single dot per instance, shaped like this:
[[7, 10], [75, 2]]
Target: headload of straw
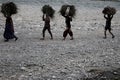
[[9, 9], [46, 9], [72, 10], [109, 10]]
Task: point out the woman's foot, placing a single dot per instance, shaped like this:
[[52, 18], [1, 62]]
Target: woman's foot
[[113, 36], [42, 38], [51, 38], [64, 38], [71, 38], [104, 37], [6, 40], [16, 38]]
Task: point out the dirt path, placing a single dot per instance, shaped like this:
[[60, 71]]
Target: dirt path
[[84, 57]]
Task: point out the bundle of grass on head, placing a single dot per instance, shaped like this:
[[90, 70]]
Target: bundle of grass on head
[[68, 10], [46, 9], [109, 10], [9, 8]]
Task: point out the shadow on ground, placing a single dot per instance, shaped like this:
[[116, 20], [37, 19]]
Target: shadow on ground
[[106, 75]]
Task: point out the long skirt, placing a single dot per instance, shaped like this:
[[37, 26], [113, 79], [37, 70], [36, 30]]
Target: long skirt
[[8, 33]]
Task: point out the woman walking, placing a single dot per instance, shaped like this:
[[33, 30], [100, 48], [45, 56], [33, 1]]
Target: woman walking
[[46, 26], [68, 12], [9, 30], [8, 9], [68, 30], [48, 12], [108, 25], [108, 15]]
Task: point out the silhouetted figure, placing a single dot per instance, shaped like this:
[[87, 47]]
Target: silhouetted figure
[[108, 25], [46, 19], [68, 30], [9, 30]]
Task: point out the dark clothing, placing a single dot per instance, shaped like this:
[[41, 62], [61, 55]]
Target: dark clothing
[[67, 31], [47, 22], [108, 22], [108, 28], [47, 26], [9, 30], [68, 19], [49, 30], [108, 25]]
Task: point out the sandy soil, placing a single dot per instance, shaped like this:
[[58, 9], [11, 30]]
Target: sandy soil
[[30, 58]]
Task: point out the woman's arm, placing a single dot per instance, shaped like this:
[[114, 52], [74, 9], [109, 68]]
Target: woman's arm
[[12, 26], [111, 16], [70, 18], [105, 17], [43, 18]]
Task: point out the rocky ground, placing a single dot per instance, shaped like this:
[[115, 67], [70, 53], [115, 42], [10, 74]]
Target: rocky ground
[[87, 57]]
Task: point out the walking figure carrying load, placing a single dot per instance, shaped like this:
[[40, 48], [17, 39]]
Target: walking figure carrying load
[[8, 9], [68, 11], [48, 12], [108, 15]]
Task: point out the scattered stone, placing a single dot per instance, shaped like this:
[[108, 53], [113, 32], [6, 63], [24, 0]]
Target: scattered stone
[[23, 77], [25, 69]]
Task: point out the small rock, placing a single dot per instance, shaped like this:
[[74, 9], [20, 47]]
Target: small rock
[[53, 76], [115, 73], [42, 66], [94, 71], [13, 76], [23, 68], [22, 77], [30, 74], [118, 62], [63, 73]]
